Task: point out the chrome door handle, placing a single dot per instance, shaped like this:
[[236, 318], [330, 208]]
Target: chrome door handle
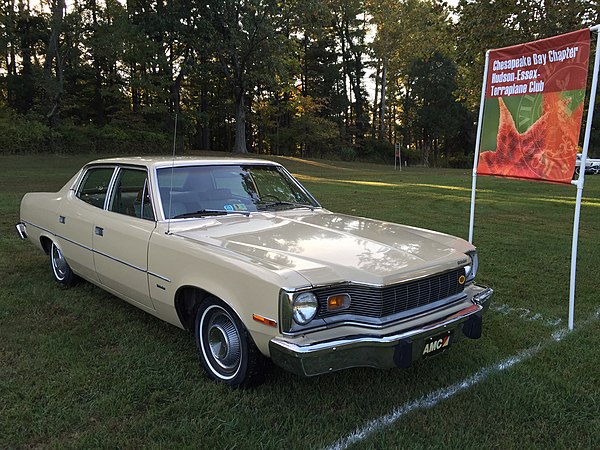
[[99, 231]]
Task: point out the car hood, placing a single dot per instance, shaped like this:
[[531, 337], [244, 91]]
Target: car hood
[[326, 248]]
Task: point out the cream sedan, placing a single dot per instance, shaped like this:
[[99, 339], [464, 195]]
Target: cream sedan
[[239, 252]]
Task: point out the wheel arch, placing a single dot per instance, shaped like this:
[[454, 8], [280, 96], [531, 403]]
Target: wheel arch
[[188, 299], [46, 244]]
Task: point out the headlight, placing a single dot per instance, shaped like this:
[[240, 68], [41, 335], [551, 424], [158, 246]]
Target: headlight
[[304, 308], [471, 269]]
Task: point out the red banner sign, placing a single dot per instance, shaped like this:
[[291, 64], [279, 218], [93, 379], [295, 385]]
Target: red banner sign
[[533, 108]]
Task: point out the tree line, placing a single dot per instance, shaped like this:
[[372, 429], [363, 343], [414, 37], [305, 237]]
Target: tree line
[[310, 78]]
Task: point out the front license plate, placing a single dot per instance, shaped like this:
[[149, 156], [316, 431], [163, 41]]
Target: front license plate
[[437, 344]]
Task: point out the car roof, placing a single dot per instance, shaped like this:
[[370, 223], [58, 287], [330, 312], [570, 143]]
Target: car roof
[[178, 161]]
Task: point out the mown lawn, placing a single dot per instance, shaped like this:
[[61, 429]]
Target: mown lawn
[[81, 368]]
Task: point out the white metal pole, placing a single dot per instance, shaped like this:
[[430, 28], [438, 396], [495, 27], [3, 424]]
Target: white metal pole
[[400, 156], [477, 143], [581, 178]]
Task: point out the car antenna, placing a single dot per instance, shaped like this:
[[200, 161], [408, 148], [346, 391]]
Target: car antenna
[[172, 171]]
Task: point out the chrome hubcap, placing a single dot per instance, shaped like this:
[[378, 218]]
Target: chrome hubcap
[[224, 341], [59, 264]]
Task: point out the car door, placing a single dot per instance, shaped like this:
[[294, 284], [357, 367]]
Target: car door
[[121, 235], [76, 216]]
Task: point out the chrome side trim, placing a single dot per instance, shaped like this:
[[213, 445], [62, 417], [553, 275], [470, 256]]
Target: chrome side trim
[[21, 230], [100, 253], [159, 276], [59, 236], [120, 261], [39, 227], [75, 243]]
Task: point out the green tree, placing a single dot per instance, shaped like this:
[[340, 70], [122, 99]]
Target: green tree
[[247, 42], [350, 25], [407, 31], [435, 115]]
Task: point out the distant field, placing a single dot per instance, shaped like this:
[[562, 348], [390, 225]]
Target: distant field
[[81, 368]]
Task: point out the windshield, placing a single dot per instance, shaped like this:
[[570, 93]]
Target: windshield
[[194, 191]]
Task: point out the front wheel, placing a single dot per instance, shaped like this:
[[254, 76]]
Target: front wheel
[[60, 268], [225, 347]]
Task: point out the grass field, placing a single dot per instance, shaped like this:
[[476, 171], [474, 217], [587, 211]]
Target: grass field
[[81, 368]]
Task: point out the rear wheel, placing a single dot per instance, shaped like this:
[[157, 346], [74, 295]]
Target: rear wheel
[[225, 347], [60, 268]]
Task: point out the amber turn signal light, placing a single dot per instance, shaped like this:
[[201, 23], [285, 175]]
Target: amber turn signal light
[[461, 279], [337, 302], [265, 320]]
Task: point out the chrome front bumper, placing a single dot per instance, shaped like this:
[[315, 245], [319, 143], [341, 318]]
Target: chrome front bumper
[[398, 349]]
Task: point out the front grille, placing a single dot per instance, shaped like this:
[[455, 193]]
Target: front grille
[[385, 301]]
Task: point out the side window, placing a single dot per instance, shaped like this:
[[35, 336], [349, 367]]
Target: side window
[[94, 187], [130, 195]]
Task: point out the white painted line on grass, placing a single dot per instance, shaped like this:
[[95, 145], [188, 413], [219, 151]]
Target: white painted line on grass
[[524, 314], [559, 335], [432, 399]]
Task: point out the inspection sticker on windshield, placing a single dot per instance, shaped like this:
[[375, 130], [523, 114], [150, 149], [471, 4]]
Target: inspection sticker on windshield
[[235, 207], [437, 344]]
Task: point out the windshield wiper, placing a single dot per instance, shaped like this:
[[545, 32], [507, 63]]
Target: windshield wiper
[[282, 203], [209, 212]]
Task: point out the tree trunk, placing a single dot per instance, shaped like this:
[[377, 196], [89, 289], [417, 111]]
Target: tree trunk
[[259, 139], [375, 113], [392, 115], [98, 100], [11, 64], [304, 81], [25, 88], [426, 149], [278, 118], [358, 98], [135, 93], [383, 98], [203, 129], [55, 84], [239, 145], [345, 76], [176, 92]]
